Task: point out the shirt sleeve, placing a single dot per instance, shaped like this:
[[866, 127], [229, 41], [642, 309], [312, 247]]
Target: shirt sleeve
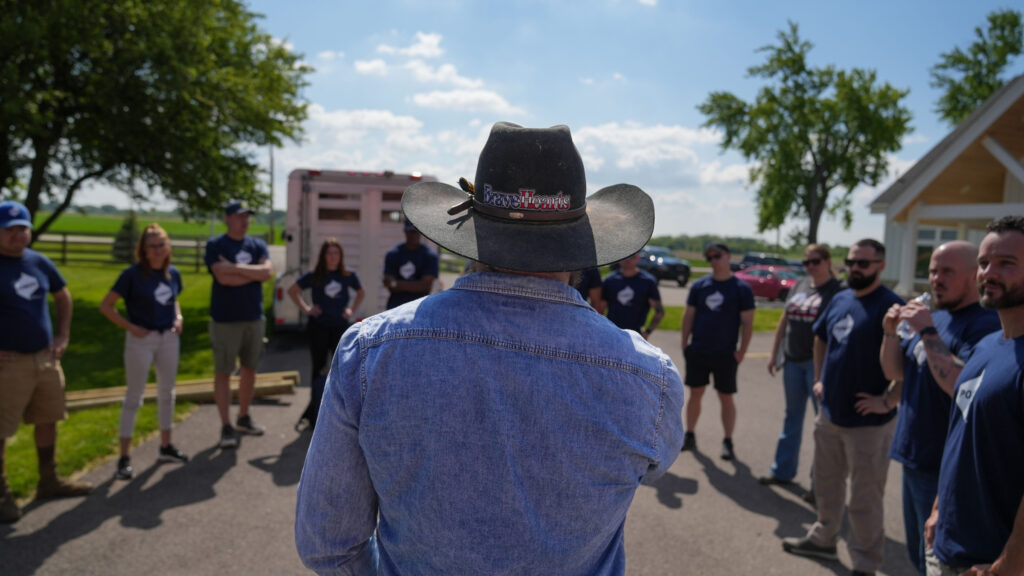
[[123, 285], [670, 426], [176, 278], [57, 282], [655, 294], [821, 323], [305, 281], [391, 264], [212, 254], [746, 296], [354, 279], [431, 266], [336, 510], [261, 250], [691, 298]]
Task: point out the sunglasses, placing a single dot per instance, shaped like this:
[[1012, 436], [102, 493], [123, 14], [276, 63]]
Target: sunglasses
[[861, 263], [714, 256], [812, 262]]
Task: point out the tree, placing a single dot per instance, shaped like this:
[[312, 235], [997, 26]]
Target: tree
[[169, 97], [968, 78], [811, 132]]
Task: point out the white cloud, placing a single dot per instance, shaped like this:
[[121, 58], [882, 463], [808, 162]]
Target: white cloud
[[637, 145], [587, 81], [647, 2], [443, 74], [912, 139], [426, 46], [715, 173], [467, 100], [618, 77], [329, 55], [375, 67]]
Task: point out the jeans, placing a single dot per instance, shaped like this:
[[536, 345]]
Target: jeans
[[919, 490], [798, 379]]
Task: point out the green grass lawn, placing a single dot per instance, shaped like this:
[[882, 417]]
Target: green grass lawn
[[765, 319], [108, 225]]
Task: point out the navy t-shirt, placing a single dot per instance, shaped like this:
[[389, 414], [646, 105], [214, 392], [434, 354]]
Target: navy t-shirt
[[924, 407], [716, 325], [24, 312], [236, 303], [149, 298], [629, 299], [589, 279], [981, 481], [331, 295], [404, 264], [852, 327]]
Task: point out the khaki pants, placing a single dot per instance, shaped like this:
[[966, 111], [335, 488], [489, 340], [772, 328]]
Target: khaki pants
[[161, 349], [862, 456], [31, 389]]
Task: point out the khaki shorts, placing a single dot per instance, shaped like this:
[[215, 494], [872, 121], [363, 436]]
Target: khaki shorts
[[241, 340], [31, 389]]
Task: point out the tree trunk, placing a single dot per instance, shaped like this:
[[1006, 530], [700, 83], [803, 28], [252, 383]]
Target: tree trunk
[[38, 178], [66, 203]]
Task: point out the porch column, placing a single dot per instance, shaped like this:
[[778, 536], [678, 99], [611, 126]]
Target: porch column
[[908, 257]]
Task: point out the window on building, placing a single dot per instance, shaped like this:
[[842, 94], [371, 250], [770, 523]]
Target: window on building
[[928, 238]]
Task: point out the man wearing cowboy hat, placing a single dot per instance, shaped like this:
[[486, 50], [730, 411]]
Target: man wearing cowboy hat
[[501, 426]]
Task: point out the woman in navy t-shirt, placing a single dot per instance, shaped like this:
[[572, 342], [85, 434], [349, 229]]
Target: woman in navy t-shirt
[[330, 314], [150, 289]]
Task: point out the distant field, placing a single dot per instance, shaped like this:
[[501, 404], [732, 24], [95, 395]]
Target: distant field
[[108, 225]]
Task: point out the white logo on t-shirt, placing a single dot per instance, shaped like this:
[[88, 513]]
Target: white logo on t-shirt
[[919, 354], [407, 270], [714, 301], [966, 392], [797, 298], [26, 286], [163, 294], [842, 329], [243, 257], [625, 296], [332, 289]]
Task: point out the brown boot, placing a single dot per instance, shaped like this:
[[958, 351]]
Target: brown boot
[[53, 486], [9, 511]]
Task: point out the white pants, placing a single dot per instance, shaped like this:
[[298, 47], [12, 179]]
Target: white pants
[[157, 348]]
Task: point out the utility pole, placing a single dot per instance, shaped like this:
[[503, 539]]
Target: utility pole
[[271, 194]]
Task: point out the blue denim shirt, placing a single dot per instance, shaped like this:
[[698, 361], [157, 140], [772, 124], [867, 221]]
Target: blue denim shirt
[[499, 427]]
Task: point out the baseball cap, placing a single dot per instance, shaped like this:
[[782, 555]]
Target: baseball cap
[[14, 214], [237, 207], [716, 246]]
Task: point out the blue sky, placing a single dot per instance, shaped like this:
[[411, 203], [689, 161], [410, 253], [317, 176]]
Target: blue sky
[[406, 85]]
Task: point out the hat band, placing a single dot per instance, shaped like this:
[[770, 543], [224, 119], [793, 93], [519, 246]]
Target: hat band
[[528, 215]]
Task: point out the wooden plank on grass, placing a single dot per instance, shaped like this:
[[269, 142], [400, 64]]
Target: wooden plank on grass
[[199, 390]]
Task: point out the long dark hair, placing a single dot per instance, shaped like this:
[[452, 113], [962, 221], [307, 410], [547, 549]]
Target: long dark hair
[[153, 231], [320, 272]]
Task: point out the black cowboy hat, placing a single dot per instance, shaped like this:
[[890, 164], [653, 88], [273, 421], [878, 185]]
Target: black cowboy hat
[[528, 209]]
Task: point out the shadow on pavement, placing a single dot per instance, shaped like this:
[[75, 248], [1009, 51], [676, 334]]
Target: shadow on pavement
[[286, 468], [669, 488], [136, 506]]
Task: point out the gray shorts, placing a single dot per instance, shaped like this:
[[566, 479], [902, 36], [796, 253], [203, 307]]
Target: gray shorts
[[241, 340]]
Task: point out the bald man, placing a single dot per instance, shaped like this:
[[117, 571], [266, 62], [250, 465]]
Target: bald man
[[924, 369]]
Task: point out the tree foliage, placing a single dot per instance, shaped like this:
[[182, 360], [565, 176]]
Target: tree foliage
[[172, 97], [968, 78], [811, 132]]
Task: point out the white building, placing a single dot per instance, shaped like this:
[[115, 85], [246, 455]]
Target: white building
[[972, 176]]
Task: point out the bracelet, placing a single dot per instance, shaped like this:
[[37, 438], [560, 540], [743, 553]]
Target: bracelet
[[928, 330], [890, 334]]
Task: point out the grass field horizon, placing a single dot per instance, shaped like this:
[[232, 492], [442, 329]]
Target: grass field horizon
[[176, 226]]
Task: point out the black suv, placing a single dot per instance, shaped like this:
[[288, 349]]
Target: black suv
[[661, 263], [758, 259]]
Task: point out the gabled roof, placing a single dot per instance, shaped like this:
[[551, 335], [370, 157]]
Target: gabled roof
[[906, 188]]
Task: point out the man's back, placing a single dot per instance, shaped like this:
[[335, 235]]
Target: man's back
[[503, 427]]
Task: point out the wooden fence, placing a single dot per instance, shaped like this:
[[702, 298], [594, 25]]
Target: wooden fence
[[86, 248]]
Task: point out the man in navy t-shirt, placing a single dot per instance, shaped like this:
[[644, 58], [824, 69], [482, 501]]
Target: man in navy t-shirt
[[239, 264], [629, 294], [924, 368], [410, 269], [718, 305], [31, 379], [589, 286], [977, 526], [851, 445]]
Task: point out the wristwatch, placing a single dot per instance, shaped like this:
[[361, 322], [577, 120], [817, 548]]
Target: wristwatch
[[928, 330]]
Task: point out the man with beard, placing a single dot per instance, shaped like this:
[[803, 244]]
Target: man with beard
[[977, 526], [848, 444], [925, 368]]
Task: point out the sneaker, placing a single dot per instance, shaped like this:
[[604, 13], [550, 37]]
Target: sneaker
[[56, 487], [771, 480], [689, 442], [245, 425], [124, 469], [171, 454], [9, 511], [804, 547], [228, 437], [727, 453]]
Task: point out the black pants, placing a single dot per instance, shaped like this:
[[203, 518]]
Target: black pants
[[322, 342]]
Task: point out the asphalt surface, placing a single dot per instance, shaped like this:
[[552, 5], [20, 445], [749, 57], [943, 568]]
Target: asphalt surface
[[231, 512]]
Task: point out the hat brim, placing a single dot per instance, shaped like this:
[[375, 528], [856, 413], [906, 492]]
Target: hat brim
[[18, 222], [618, 222]]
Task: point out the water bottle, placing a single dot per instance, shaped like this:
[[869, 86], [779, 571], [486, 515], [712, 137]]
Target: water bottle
[[904, 329]]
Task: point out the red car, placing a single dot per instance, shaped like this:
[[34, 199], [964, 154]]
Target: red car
[[771, 282]]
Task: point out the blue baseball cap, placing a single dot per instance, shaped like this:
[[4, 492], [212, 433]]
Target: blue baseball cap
[[237, 207], [14, 214]]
